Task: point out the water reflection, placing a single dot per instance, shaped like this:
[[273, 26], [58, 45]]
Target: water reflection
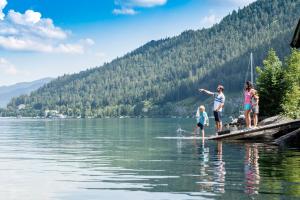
[[106, 159], [252, 177], [211, 172], [179, 145], [220, 169]]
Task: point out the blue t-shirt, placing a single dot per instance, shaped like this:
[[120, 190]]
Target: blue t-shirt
[[202, 117]]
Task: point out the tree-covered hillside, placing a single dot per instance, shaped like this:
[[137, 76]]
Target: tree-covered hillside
[[152, 79]]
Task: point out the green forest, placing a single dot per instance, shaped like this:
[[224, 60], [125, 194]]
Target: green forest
[[279, 85], [162, 77]]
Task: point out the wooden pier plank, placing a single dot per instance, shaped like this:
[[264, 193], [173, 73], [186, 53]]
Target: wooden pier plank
[[259, 131]]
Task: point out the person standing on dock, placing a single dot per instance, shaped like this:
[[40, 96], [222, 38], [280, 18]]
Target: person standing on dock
[[255, 107], [219, 100], [248, 94]]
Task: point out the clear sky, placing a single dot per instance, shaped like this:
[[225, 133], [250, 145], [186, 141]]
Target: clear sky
[[49, 38]]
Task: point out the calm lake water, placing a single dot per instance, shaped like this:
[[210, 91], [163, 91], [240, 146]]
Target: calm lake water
[[137, 159]]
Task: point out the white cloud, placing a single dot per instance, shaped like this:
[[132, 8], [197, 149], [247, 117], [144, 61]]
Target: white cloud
[[15, 44], [146, 3], [2, 6], [239, 3], [124, 11], [31, 23], [7, 68], [8, 30], [209, 20], [29, 17], [127, 7], [87, 42], [69, 48], [78, 48], [31, 32]]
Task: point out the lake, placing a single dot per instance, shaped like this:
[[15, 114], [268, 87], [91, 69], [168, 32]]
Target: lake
[[137, 159]]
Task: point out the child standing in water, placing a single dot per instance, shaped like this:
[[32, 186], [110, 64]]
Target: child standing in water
[[202, 119]]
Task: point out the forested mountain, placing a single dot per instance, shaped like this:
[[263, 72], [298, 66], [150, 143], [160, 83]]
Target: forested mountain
[[8, 92], [162, 77]]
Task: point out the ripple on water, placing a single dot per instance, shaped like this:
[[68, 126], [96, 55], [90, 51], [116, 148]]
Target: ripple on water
[[136, 159]]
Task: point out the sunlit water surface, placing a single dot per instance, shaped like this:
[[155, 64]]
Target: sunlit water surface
[[137, 159]]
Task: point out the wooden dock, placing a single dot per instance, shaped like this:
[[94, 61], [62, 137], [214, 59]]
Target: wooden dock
[[261, 133]]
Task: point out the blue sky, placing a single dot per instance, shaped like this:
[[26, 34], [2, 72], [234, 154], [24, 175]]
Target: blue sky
[[49, 38]]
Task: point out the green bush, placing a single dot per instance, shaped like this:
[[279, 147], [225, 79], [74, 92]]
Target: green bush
[[291, 100], [279, 85], [271, 85]]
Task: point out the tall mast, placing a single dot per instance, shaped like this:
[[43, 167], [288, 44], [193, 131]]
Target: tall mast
[[251, 64]]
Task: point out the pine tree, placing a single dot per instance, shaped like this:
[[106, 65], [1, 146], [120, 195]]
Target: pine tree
[[291, 101], [270, 85]]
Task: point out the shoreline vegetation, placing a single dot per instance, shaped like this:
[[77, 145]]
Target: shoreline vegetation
[[278, 84]]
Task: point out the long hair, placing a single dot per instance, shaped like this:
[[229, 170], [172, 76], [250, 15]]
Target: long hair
[[248, 85]]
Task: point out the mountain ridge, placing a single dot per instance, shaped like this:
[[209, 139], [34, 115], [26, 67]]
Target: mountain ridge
[[169, 70], [7, 92]]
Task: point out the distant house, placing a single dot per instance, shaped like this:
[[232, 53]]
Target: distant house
[[50, 113], [296, 39], [21, 106], [54, 114]]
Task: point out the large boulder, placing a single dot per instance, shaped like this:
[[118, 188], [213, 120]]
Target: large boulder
[[274, 120]]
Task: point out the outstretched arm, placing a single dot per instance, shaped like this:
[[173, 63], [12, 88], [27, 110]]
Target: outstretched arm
[[206, 91]]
